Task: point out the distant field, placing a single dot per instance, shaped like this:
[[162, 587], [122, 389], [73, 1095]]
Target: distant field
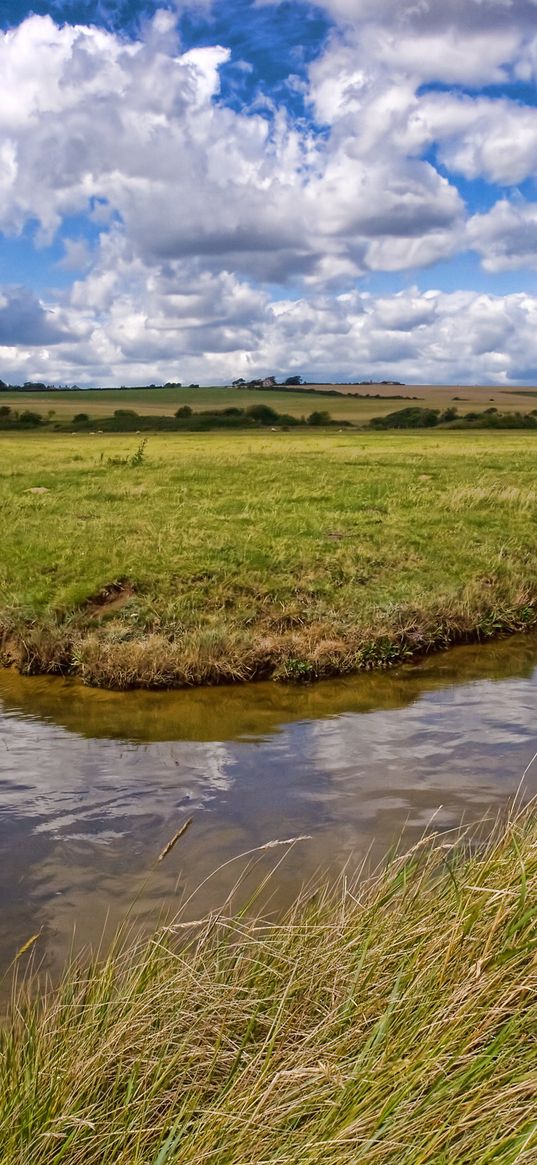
[[260, 554], [166, 400]]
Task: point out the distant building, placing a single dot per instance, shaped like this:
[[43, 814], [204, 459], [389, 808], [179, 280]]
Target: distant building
[[262, 382]]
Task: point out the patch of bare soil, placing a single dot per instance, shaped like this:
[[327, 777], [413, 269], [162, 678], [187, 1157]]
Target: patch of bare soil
[[112, 597]]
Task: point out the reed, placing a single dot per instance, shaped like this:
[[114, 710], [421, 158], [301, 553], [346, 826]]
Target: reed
[[387, 1021]]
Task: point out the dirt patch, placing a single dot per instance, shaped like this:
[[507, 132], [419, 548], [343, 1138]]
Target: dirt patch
[[112, 597]]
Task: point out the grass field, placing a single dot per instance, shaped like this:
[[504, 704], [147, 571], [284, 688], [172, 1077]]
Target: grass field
[[391, 1021], [260, 554], [164, 401]]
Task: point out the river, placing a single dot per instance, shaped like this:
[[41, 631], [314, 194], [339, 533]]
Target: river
[[93, 784]]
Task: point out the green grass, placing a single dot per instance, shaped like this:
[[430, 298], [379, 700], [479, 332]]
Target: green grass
[[390, 1021], [239, 556]]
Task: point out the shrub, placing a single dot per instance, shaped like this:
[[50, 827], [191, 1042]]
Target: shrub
[[30, 419], [319, 417], [449, 414], [262, 413], [184, 411], [413, 417]]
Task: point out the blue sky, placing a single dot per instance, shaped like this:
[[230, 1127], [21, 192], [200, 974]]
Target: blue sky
[[199, 191]]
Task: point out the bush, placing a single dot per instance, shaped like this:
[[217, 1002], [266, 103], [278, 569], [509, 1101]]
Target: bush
[[184, 411], [263, 413], [287, 420], [413, 417], [80, 418], [30, 419], [319, 418], [449, 414]]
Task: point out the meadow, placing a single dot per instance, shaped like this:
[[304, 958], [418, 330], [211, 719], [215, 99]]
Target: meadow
[[389, 1021], [202, 558]]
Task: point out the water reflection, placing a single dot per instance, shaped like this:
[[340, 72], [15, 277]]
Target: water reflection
[[92, 784]]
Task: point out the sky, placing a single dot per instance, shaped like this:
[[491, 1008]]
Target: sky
[[197, 191]]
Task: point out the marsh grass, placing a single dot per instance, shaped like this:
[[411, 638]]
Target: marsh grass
[[263, 555], [390, 1020]]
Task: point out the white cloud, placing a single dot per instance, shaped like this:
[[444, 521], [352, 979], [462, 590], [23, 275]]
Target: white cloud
[[506, 237], [135, 125], [495, 139], [202, 209], [188, 325], [24, 320]]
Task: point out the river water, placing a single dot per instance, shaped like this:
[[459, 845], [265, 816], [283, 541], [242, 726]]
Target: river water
[[93, 784]]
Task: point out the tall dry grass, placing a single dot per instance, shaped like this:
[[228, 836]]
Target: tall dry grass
[[387, 1021]]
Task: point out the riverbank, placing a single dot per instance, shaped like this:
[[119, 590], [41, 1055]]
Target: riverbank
[[214, 559], [390, 1020]]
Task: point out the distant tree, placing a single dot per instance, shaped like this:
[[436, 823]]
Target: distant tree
[[80, 418], [319, 417], [5, 411], [30, 419], [239, 383], [3, 386], [184, 411], [262, 413], [449, 414], [293, 380], [287, 420], [413, 417]]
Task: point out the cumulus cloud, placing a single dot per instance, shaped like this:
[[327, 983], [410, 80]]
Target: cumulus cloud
[[214, 327], [135, 126], [25, 321], [506, 237], [494, 139], [200, 209]]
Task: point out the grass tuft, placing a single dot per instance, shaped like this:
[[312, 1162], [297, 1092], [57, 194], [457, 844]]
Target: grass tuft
[[391, 1021]]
